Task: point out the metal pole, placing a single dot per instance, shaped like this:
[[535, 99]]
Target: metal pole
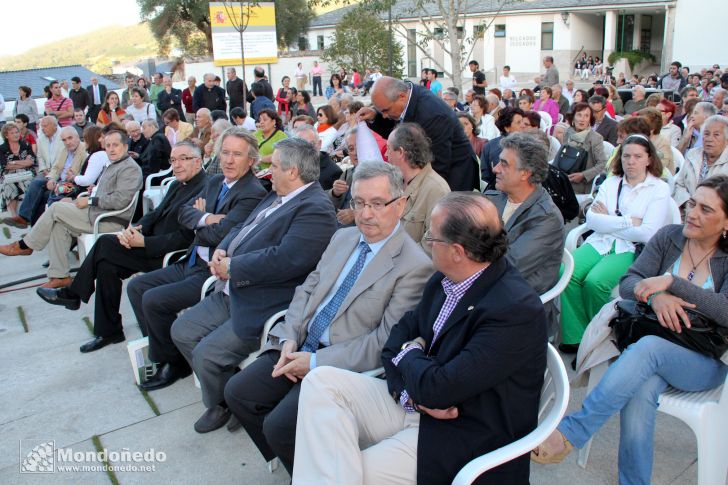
[[389, 43]]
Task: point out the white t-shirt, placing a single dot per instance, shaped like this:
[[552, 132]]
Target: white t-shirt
[[146, 112], [508, 82]]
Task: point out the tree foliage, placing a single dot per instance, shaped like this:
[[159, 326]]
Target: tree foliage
[[186, 23], [359, 42]]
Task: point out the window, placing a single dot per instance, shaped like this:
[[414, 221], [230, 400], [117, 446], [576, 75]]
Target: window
[[625, 30], [320, 42], [478, 31], [438, 33], [412, 52], [461, 32], [547, 36], [500, 30]]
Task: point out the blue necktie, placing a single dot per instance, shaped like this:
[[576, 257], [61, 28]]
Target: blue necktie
[[224, 190], [324, 318]]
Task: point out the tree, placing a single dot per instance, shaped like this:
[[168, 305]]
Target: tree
[[174, 20], [360, 43], [438, 19]]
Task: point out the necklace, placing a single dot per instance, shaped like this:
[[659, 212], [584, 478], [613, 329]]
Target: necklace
[[691, 274]]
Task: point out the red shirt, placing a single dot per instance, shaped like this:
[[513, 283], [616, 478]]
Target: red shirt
[[187, 100]]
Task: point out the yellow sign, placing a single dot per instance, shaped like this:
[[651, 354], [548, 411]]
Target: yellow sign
[[258, 23]]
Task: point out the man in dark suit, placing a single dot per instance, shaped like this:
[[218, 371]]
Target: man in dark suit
[[78, 95], [236, 89], [400, 101], [470, 358], [259, 265], [170, 97], [227, 200], [603, 124], [96, 96], [141, 248], [333, 319]]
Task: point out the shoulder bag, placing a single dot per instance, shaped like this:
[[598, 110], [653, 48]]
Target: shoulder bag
[[571, 159]]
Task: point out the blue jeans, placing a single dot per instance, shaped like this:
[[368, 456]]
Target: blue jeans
[[632, 385], [35, 197]]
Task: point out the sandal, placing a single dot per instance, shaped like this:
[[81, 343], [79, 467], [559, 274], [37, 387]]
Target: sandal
[[544, 456]]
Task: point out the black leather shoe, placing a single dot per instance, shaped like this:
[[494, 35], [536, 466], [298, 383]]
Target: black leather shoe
[[56, 296], [212, 419], [166, 375], [234, 424], [569, 348], [101, 342], [46, 264]]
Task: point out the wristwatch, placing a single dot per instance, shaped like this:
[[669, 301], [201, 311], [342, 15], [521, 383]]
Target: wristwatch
[[410, 343]]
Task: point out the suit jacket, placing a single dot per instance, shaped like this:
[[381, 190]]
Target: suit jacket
[[162, 231], [454, 158], [329, 171], [237, 91], [102, 94], [489, 361], [276, 256], [216, 100], [78, 158], [115, 188], [535, 237], [237, 205], [608, 130], [389, 286]]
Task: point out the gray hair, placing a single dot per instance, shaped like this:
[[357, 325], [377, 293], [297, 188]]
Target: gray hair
[[391, 87], [50, 119], [298, 153], [220, 125], [132, 124], [531, 153], [707, 108], [723, 120], [151, 121], [208, 75], [69, 129], [246, 136], [303, 128], [188, 144], [639, 87], [411, 138], [204, 111], [449, 95], [344, 98], [372, 169]]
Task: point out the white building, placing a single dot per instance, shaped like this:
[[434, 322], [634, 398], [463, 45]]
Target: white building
[[522, 33]]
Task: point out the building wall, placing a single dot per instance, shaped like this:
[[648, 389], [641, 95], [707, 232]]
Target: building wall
[[699, 27]]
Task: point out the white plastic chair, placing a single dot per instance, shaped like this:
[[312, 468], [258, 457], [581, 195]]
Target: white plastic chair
[[152, 196], [546, 121], [168, 257], [678, 158], [608, 149], [556, 387], [86, 241], [554, 148], [560, 286]]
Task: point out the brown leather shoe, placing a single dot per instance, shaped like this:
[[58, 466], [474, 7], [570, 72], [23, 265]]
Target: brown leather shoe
[[57, 282], [14, 249], [16, 221]]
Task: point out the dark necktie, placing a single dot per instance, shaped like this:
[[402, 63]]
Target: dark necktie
[[223, 191]]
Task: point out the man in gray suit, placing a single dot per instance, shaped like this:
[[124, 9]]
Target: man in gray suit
[[259, 265], [533, 222], [341, 316]]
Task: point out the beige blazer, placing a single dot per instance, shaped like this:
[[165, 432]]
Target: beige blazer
[[423, 192], [390, 285], [78, 158]]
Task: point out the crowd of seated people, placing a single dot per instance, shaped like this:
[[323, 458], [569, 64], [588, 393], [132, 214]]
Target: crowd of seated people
[[395, 260]]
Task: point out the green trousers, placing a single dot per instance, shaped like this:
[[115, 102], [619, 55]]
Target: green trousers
[[590, 288]]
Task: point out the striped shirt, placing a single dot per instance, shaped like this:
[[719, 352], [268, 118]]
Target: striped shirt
[[60, 104]]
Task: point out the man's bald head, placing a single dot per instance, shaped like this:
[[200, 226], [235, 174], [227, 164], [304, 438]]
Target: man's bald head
[[389, 96]]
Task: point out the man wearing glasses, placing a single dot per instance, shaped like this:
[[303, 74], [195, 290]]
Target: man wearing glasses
[[341, 316], [140, 248]]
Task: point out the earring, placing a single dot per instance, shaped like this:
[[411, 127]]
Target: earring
[[725, 233]]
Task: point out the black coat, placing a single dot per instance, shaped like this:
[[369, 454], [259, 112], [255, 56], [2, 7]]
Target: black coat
[[454, 158], [237, 91], [156, 155], [330, 172], [162, 232], [489, 361], [211, 99], [608, 130], [268, 90]]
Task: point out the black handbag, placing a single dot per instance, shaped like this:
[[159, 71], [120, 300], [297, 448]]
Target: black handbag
[[571, 159], [635, 320]]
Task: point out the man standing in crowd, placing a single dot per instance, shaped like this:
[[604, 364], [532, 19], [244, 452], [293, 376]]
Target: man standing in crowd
[[435, 85], [259, 265], [236, 89], [59, 106], [400, 101], [259, 75], [603, 124], [155, 88], [170, 98], [332, 321], [465, 369], [78, 95], [115, 258], [158, 296], [97, 96], [551, 76], [479, 81], [673, 81], [208, 95], [65, 220]]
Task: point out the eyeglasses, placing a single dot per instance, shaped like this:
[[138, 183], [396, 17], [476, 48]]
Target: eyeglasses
[[180, 159], [429, 239], [376, 206]]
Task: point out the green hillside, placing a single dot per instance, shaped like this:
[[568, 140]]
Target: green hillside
[[95, 50]]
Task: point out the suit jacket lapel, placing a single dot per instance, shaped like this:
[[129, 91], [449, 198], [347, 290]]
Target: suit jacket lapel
[[523, 208], [472, 297]]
